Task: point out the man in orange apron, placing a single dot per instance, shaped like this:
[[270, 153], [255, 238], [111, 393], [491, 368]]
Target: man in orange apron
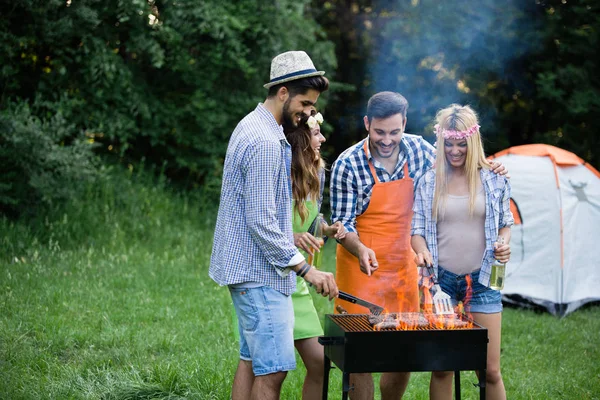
[[372, 186]]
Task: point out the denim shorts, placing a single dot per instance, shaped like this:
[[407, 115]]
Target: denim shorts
[[483, 299], [266, 326]]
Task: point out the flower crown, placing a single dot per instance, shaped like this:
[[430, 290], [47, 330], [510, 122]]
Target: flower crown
[[449, 134], [314, 121]]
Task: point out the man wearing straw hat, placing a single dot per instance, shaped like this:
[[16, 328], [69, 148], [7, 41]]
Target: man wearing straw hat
[[253, 252]]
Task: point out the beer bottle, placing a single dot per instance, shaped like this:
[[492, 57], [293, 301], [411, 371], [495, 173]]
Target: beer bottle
[[317, 232], [498, 271]]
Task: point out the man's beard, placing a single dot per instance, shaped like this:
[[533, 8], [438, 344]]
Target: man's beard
[[288, 119]]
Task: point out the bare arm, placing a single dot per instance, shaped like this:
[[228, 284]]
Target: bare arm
[[323, 282], [419, 246], [366, 256], [502, 251]]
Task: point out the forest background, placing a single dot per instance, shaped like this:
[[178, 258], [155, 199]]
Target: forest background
[[89, 85]]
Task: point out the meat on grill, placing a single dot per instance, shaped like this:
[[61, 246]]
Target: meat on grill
[[415, 320], [392, 320]]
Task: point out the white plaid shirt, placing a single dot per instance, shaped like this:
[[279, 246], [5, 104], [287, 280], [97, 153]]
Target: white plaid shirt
[[352, 183], [497, 215], [253, 234]]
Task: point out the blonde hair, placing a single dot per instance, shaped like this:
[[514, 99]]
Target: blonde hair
[[457, 118]]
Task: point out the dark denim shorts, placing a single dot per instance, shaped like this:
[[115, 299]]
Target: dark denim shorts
[[483, 299]]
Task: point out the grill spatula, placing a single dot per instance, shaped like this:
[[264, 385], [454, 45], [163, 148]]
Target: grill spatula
[[373, 308], [441, 300]]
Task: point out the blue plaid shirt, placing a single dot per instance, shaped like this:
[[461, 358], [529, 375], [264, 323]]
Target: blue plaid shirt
[[352, 183], [253, 234], [497, 215]]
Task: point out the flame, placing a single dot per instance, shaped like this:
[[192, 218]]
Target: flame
[[468, 295], [427, 318]]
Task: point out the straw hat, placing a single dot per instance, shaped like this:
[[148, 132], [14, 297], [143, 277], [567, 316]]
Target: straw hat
[[290, 66]]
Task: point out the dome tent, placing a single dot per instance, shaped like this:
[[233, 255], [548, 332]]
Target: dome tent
[[555, 257]]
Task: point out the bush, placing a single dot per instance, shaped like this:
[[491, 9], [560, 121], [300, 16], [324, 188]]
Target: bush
[[37, 165], [162, 81]]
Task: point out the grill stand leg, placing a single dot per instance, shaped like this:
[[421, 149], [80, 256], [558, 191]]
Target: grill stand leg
[[345, 385], [326, 377], [457, 385], [482, 374]]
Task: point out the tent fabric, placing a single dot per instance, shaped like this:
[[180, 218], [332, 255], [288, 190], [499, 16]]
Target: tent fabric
[[555, 257], [514, 209], [557, 155]]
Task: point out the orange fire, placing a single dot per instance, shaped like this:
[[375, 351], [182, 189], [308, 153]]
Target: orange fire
[[427, 318]]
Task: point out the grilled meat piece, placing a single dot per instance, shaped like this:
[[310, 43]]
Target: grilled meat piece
[[414, 320], [394, 320]]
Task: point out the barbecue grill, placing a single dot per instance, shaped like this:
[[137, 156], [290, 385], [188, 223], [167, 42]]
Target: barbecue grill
[[354, 346]]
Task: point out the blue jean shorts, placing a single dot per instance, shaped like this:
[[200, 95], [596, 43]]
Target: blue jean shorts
[[483, 299], [266, 326]]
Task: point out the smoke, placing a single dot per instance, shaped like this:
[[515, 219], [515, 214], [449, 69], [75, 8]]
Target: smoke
[[436, 53]]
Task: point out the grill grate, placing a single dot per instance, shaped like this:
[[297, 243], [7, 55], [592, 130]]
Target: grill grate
[[360, 323], [353, 322]]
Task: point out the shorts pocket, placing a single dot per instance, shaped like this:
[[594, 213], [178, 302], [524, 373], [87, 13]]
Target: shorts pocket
[[246, 309], [440, 273], [478, 287]]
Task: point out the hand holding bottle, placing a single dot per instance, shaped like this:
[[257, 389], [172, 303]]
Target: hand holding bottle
[[502, 250], [307, 242]]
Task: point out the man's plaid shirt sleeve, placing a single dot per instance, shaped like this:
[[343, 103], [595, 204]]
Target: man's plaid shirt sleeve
[[343, 195], [261, 173], [506, 216], [418, 221], [424, 159]]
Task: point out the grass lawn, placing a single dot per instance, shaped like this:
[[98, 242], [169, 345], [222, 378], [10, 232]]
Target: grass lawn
[[110, 299]]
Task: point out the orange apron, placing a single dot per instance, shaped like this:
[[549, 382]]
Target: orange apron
[[385, 228]]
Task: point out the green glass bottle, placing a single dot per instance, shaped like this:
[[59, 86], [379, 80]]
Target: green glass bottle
[[498, 272], [317, 259]]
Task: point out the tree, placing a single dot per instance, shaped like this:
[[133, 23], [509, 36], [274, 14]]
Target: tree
[[160, 80], [526, 67]]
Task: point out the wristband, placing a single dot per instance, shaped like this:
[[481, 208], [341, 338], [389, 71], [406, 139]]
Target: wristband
[[303, 270], [299, 273], [308, 268]]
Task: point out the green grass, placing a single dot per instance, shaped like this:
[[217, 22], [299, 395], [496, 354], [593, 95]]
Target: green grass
[[109, 298]]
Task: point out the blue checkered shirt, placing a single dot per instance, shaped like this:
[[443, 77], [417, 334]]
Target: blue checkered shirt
[[352, 182], [497, 215], [253, 234]]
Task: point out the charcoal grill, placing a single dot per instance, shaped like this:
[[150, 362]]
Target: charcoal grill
[[351, 343]]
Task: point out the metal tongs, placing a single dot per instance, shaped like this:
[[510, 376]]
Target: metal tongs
[[441, 300], [373, 308]]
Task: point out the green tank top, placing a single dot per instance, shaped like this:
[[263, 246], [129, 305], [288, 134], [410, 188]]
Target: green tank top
[[297, 225]]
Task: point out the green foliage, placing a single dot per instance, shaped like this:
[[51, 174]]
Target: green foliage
[[566, 79], [166, 81], [527, 67], [36, 167]]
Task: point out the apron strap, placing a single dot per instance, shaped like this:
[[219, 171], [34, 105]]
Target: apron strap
[[371, 167], [406, 170]]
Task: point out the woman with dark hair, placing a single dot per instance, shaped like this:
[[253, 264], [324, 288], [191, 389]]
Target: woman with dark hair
[[308, 181]]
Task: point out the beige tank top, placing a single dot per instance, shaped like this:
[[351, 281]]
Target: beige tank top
[[461, 238]]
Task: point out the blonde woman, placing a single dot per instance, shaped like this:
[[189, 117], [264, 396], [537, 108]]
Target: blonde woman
[[461, 215]]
